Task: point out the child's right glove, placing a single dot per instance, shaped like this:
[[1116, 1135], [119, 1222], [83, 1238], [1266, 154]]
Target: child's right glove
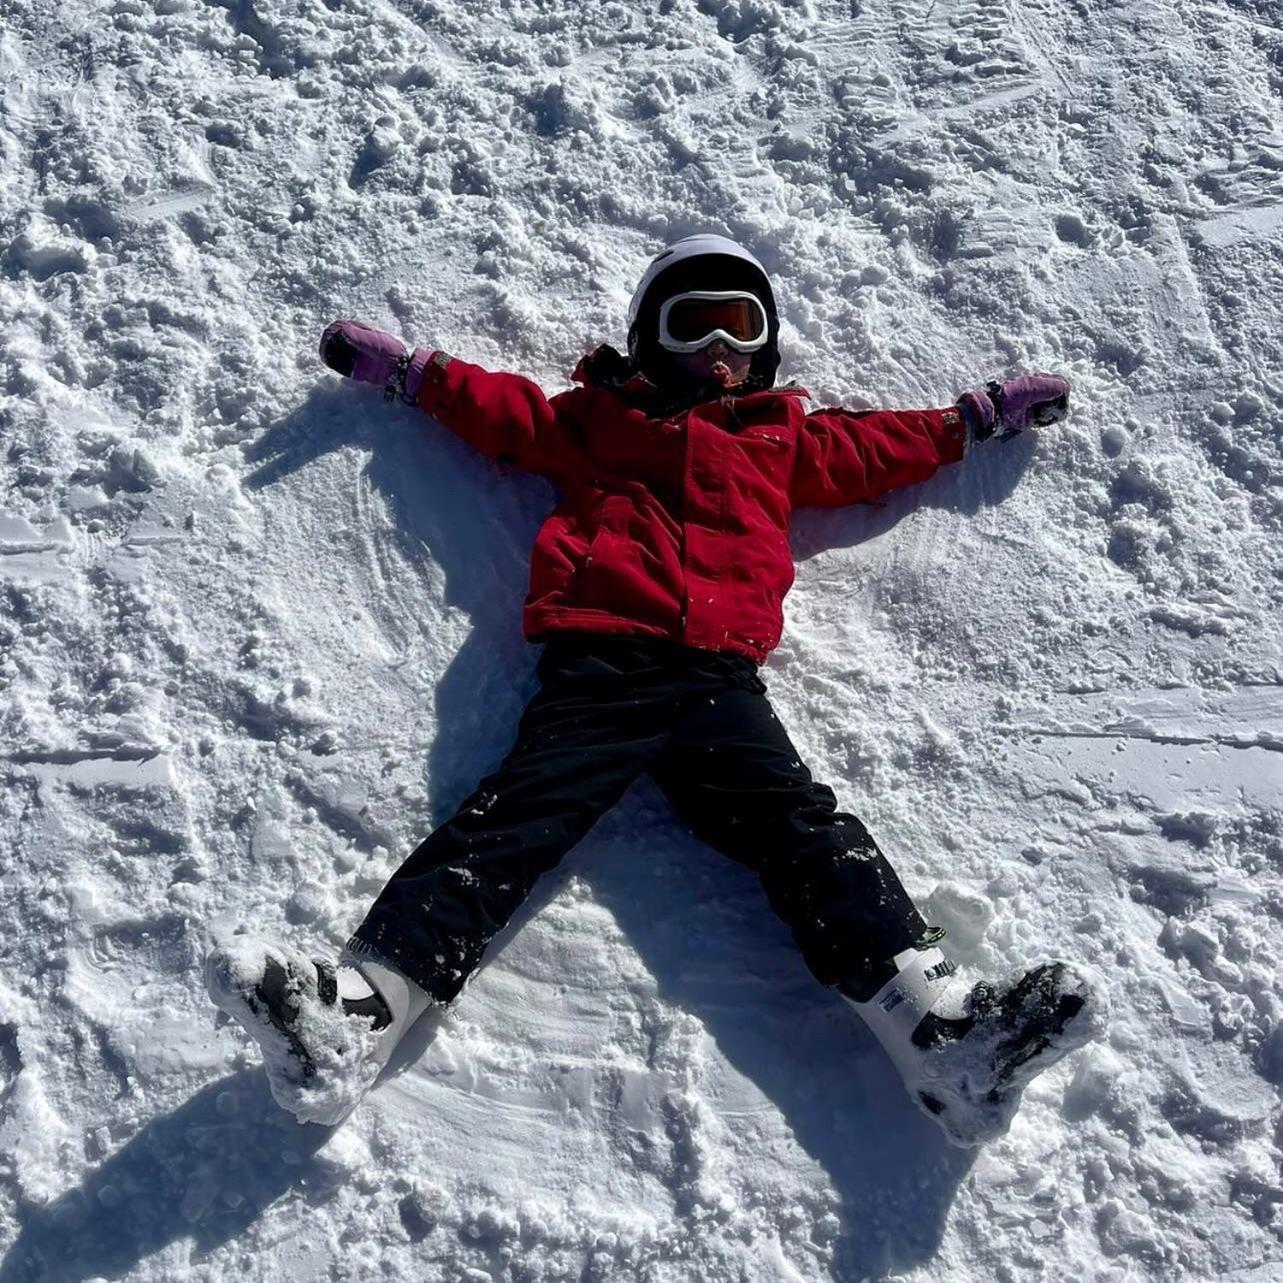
[[1009, 408], [360, 352]]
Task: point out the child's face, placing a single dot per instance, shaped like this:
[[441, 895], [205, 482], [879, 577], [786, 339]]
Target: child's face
[[716, 363]]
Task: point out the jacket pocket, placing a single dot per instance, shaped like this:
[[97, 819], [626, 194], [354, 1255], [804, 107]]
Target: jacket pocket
[[629, 571]]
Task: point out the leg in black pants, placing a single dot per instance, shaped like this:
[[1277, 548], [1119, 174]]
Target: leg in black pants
[[599, 720], [735, 779]]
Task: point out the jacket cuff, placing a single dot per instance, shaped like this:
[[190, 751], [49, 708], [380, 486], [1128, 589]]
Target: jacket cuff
[[954, 436], [430, 387]]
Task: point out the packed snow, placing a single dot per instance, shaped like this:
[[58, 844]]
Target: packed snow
[[259, 630]]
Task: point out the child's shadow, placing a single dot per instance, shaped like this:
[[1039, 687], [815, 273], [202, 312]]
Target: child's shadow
[[207, 1170]]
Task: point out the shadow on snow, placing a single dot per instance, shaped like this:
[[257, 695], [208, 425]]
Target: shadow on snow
[[173, 1181], [894, 1174]]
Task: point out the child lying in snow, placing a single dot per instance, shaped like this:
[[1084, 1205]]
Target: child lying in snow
[[656, 587]]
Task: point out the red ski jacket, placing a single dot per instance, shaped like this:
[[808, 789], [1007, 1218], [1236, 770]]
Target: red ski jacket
[[677, 527]]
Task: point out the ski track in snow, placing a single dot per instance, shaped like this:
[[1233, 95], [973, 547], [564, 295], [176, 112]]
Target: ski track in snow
[[258, 631]]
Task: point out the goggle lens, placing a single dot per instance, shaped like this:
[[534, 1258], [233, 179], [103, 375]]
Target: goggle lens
[[690, 319]]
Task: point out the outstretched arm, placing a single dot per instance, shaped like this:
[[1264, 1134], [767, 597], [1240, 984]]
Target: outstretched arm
[[847, 456], [505, 416]]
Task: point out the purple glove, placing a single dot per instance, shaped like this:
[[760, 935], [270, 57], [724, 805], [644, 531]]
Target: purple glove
[[1009, 408], [368, 355]]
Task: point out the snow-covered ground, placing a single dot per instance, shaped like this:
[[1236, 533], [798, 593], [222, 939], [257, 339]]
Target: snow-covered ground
[[259, 630]]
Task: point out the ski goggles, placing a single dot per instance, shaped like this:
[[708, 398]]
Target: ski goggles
[[690, 321]]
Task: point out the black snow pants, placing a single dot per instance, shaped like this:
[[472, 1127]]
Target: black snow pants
[[699, 722]]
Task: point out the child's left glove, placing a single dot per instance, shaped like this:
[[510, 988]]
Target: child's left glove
[[1009, 408], [368, 355]]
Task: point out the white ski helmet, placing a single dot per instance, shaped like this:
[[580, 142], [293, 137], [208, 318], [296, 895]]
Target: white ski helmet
[[704, 261]]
